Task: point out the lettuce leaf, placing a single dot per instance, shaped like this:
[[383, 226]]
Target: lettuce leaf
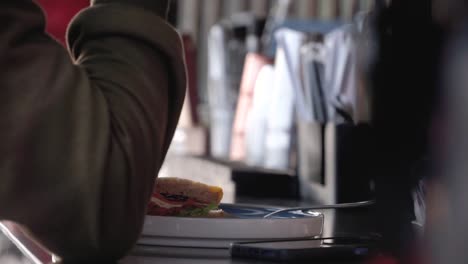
[[198, 212]]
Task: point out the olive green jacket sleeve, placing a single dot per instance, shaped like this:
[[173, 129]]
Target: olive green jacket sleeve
[[83, 133]]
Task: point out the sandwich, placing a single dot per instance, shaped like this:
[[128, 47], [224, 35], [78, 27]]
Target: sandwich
[[182, 197]]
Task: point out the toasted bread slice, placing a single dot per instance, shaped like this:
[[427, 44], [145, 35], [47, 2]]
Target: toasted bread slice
[[196, 190]]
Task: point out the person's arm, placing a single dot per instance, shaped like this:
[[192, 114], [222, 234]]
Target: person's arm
[[82, 139]]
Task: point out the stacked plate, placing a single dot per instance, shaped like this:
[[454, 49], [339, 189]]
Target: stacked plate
[[245, 224]]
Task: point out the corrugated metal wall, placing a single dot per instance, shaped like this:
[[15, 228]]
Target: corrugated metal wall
[[197, 16]]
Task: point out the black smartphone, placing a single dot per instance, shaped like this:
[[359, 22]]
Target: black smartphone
[[330, 249]]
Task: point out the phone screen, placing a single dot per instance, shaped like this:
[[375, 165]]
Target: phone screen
[[308, 249], [301, 244]]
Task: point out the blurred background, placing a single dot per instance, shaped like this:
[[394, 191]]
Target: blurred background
[[313, 102], [277, 107]]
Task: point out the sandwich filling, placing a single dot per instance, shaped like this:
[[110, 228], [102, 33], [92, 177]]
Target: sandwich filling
[[164, 204]]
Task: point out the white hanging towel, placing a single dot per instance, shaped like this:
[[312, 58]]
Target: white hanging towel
[[281, 110]]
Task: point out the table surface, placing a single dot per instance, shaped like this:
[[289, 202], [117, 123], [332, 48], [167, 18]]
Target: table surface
[[17, 248], [168, 255]]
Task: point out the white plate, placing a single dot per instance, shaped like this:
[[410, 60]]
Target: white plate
[[220, 232]]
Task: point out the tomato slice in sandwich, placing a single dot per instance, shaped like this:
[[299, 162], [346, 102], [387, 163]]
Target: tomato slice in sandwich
[[182, 197]]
